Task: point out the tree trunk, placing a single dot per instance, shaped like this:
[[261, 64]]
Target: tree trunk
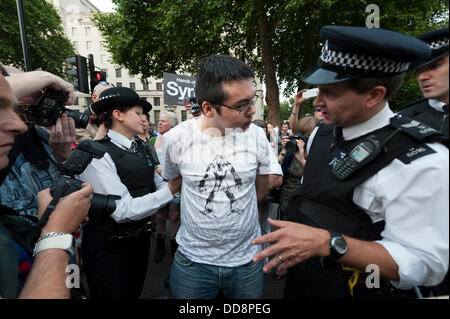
[[307, 63], [272, 90]]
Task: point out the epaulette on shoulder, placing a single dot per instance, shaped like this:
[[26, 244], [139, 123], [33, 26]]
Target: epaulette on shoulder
[[418, 130], [82, 156], [412, 105], [95, 148]]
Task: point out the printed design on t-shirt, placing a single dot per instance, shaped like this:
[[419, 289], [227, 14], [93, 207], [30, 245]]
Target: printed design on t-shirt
[[220, 168]]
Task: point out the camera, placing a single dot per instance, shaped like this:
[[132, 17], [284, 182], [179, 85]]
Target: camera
[[291, 145], [50, 106], [101, 205]]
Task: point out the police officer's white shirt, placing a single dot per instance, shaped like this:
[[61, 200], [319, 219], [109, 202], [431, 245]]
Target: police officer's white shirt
[[228, 166], [413, 200], [436, 104], [102, 175]]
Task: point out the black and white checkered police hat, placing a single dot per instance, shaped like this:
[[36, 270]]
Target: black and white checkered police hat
[[357, 52], [437, 40]]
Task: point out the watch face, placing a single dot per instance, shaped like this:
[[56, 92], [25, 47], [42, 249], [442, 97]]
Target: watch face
[[340, 245]]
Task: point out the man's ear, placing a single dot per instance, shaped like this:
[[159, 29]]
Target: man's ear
[[208, 109], [376, 95]]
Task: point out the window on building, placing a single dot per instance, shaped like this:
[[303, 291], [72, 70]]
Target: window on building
[[132, 85], [119, 84], [75, 45], [156, 115], [74, 31], [87, 31], [88, 45], [157, 101], [104, 58], [159, 86], [145, 86], [183, 115], [118, 73], [76, 101]]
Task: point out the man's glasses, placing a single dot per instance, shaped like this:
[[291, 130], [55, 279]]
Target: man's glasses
[[242, 107]]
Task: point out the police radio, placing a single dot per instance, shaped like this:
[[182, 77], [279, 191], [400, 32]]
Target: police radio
[[360, 155], [364, 152]]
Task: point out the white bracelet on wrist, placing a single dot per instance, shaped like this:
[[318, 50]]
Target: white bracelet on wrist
[[52, 234], [55, 240]]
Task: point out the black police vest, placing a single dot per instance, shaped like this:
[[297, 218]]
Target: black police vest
[[326, 202], [133, 169], [423, 112]]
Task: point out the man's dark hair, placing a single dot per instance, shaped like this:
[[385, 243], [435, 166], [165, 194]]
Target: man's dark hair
[[213, 72], [391, 83]]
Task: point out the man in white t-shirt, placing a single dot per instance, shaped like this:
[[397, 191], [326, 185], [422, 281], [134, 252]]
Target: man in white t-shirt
[[227, 168]]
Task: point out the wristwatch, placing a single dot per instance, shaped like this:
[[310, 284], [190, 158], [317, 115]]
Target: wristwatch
[[338, 246], [61, 241]]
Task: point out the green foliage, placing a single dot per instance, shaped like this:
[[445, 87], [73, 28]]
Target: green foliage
[[48, 47], [297, 45], [175, 35], [287, 105], [156, 36]]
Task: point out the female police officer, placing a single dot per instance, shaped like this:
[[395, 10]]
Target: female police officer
[[115, 247]]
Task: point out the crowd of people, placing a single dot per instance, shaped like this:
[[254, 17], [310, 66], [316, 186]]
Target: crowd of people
[[316, 202]]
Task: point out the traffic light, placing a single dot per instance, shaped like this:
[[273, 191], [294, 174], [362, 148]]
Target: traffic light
[[96, 76], [80, 73]]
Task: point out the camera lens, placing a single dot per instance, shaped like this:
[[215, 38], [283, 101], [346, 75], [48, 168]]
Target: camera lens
[[291, 146], [102, 205], [81, 119]]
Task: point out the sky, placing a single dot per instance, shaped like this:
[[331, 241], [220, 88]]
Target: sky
[[103, 5]]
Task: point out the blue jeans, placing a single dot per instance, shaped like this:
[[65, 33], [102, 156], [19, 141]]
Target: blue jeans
[[191, 280]]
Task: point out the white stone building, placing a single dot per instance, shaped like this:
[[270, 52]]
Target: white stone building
[[76, 16]]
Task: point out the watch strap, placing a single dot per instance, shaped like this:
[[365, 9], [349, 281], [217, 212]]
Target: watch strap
[[65, 242]]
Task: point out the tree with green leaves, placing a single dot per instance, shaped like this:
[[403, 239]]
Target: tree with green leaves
[[278, 39], [48, 46]]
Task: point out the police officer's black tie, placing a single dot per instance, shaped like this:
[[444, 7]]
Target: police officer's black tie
[[444, 123], [133, 148]]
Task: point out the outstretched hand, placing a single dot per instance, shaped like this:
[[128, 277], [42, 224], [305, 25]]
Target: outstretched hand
[[294, 242]]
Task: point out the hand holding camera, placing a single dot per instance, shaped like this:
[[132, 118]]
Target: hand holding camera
[[292, 145], [69, 212]]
